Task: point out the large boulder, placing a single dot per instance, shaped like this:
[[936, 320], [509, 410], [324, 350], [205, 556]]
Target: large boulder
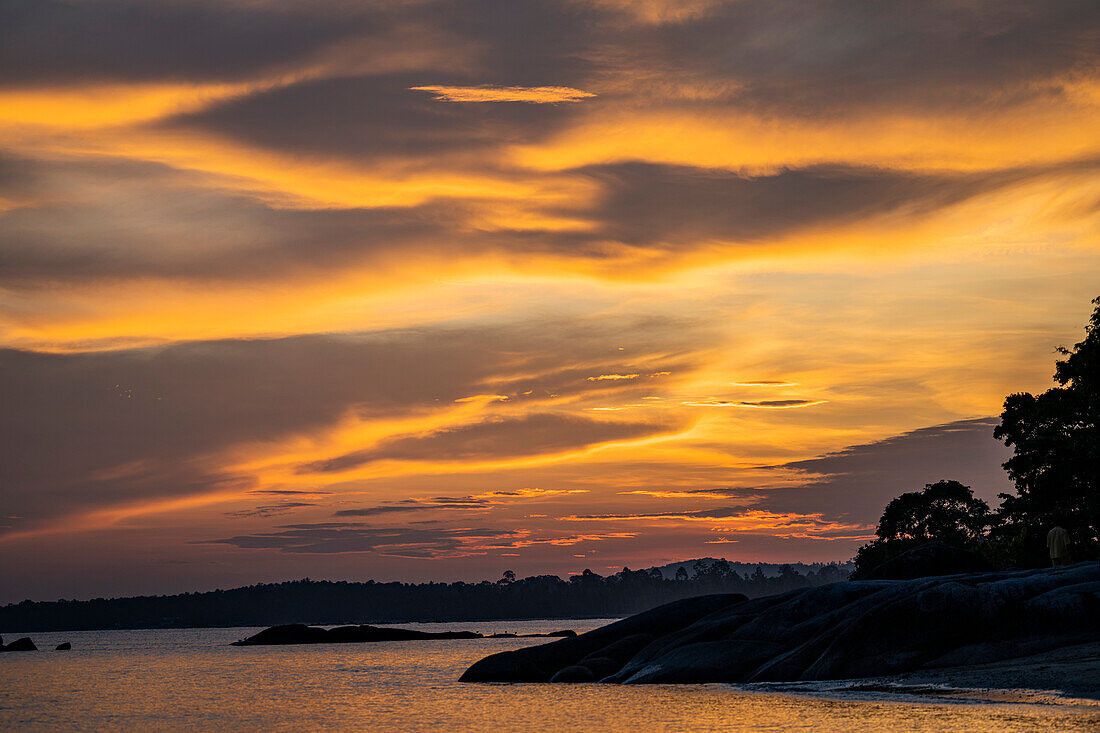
[[540, 663], [932, 559], [838, 631], [574, 673], [600, 666]]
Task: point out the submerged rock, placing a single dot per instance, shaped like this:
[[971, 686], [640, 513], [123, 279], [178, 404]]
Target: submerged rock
[[839, 631], [20, 645], [302, 634]]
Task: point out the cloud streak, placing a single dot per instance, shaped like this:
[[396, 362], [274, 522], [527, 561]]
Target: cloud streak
[[530, 95], [497, 438]]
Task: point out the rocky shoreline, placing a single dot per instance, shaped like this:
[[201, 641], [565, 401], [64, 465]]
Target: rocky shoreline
[[1037, 629]]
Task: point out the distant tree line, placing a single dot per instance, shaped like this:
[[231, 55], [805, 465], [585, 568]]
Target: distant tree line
[[1055, 437], [329, 602]]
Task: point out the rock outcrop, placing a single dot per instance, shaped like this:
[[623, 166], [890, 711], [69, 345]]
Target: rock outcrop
[[20, 645], [839, 631], [302, 634], [541, 663]]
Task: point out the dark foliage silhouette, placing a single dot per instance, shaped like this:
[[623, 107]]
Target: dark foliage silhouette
[[945, 511], [1055, 437], [326, 602]]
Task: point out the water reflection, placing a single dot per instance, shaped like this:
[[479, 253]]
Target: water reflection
[[191, 678]]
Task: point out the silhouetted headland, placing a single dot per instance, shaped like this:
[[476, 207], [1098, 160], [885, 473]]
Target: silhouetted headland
[[302, 634], [983, 622], [585, 595]]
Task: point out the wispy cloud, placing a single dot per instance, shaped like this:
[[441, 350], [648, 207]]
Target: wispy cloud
[[746, 495], [352, 537], [471, 502], [738, 519], [269, 510], [764, 405], [532, 95]]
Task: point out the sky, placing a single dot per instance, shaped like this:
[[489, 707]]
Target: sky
[[427, 290]]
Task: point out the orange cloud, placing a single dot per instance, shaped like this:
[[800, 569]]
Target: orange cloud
[[532, 95]]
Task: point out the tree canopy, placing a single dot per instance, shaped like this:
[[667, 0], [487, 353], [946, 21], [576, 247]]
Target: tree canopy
[[946, 511], [1055, 437]]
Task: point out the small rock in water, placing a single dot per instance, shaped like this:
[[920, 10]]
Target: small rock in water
[[20, 645], [63, 647]]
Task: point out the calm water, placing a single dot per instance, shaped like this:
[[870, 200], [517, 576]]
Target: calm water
[[190, 679]]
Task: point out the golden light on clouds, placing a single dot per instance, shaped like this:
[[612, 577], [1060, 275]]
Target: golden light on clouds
[[374, 265], [533, 95]]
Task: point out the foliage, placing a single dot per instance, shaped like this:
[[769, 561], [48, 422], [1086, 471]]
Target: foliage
[[945, 511], [1055, 437], [324, 602]]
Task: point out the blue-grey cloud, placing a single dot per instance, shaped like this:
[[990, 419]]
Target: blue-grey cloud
[[859, 481]]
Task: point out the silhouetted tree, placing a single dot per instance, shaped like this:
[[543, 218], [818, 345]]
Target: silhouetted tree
[[681, 573], [946, 511], [1055, 437]]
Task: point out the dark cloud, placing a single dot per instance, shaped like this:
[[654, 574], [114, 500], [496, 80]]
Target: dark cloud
[[714, 493], [669, 206], [859, 481], [528, 42], [375, 116], [788, 56], [532, 42], [775, 55], [269, 510], [393, 508], [128, 220], [286, 492], [132, 220], [721, 513], [63, 42], [500, 437]]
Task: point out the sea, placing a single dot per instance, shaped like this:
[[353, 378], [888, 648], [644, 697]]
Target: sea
[[192, 679]]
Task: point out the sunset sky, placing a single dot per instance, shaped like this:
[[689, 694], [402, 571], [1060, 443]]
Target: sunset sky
[[431, 290]]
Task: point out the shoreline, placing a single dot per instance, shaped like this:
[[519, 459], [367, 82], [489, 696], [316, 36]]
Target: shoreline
[[1065, 676]]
